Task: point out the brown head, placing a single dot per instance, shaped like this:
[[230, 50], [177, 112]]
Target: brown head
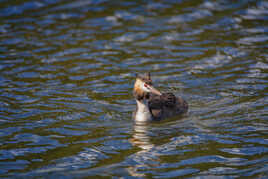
[[143, 87]]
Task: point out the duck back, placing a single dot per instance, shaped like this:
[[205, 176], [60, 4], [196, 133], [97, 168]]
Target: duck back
[[167, 105]]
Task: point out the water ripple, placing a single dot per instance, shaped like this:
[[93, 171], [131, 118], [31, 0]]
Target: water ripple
[[67, 70]]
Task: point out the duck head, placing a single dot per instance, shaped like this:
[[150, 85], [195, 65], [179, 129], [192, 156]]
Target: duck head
[[143, 87]]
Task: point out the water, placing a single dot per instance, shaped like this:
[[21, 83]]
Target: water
[[67, 70]]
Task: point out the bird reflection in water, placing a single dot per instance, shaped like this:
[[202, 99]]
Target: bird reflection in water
[[147, 157], [141, 136]]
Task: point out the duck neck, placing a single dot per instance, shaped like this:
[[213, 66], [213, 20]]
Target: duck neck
[[143, 112]]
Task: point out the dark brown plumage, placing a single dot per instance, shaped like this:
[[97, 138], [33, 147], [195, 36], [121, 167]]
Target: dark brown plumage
[[166, 105]]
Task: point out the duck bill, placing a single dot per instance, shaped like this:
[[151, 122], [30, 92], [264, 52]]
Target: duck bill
[[155, 91]]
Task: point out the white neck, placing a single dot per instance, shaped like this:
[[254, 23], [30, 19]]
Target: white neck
[[143, 113]]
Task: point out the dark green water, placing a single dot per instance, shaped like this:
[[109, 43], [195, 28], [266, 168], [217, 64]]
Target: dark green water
[[67, 70]]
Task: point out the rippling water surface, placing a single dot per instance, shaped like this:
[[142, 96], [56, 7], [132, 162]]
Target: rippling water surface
[[67, 70]]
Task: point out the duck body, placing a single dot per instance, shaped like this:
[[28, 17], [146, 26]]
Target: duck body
[[167, 105], [152, 105]]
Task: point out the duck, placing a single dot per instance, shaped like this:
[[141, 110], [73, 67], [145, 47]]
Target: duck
[[153, 105]]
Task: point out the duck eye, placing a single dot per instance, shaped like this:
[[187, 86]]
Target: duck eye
[[146, 86]]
